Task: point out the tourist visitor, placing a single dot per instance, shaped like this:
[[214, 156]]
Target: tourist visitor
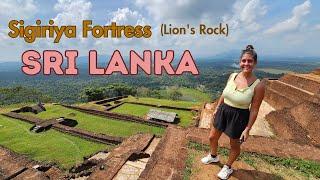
[[236, 110]]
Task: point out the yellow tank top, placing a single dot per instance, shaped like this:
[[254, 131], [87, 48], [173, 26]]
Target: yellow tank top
[[239, 98]]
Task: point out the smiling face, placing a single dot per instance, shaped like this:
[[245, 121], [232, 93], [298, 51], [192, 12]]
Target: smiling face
[[247, 63]]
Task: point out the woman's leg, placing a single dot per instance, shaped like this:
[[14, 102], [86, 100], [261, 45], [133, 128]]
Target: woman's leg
[[234, 152], [214, 138]]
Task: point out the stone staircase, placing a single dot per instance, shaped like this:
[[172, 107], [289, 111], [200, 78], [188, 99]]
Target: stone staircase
[[290, 92], [296, 98]]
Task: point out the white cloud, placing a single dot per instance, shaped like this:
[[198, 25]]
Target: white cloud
[[17, 9], [72, 12], [251, 11], [127, 17], [210, 13], [124, 16], [292, 23], [245, 15]]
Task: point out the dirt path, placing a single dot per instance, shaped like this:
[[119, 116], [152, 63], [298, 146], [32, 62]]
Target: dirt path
[[242, 170], [169, 158], [262, 145]]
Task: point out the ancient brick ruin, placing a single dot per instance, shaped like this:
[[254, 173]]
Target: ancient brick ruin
[[296, 98]]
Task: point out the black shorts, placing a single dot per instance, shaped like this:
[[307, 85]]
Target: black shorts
[[230, 120]]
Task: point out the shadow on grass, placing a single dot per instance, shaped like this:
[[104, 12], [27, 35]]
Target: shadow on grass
[[69, 122]]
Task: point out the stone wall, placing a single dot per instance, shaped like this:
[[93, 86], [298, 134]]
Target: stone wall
[[117, 116], [163, 106], [109, 100], [102, 138]]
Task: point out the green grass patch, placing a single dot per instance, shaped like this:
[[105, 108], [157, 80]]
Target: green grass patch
[[194, 95], [204, 147], [98, 124], [189, 162], [141, 110], [164, 102], [307, 168], [50, 146], [8, 108]]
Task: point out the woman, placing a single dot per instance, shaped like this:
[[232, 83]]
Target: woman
[[236, 111]]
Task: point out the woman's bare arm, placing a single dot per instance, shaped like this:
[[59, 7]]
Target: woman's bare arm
[[220, 101], [255, 105], [256, 102]]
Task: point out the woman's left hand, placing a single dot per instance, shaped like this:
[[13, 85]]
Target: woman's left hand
[[245, 134]]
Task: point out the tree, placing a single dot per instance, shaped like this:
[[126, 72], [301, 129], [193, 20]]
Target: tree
[[119, 89], [94, 94], [143, 91], [175, 94]]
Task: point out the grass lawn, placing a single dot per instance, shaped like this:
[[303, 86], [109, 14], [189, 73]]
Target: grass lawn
[[8, 108], [141, 110], [193, 95], [188, 94], [166, 102], [98, 124], [51, 146]]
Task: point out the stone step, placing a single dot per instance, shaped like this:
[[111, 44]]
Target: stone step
[[297, 95], [32, 174], [277, 100], [16, 166], [119, 156], [308, 116], [306, 82], [137, 164], [286, 128]]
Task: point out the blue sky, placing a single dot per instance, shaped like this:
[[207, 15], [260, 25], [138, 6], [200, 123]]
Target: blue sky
[[280, 27]]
